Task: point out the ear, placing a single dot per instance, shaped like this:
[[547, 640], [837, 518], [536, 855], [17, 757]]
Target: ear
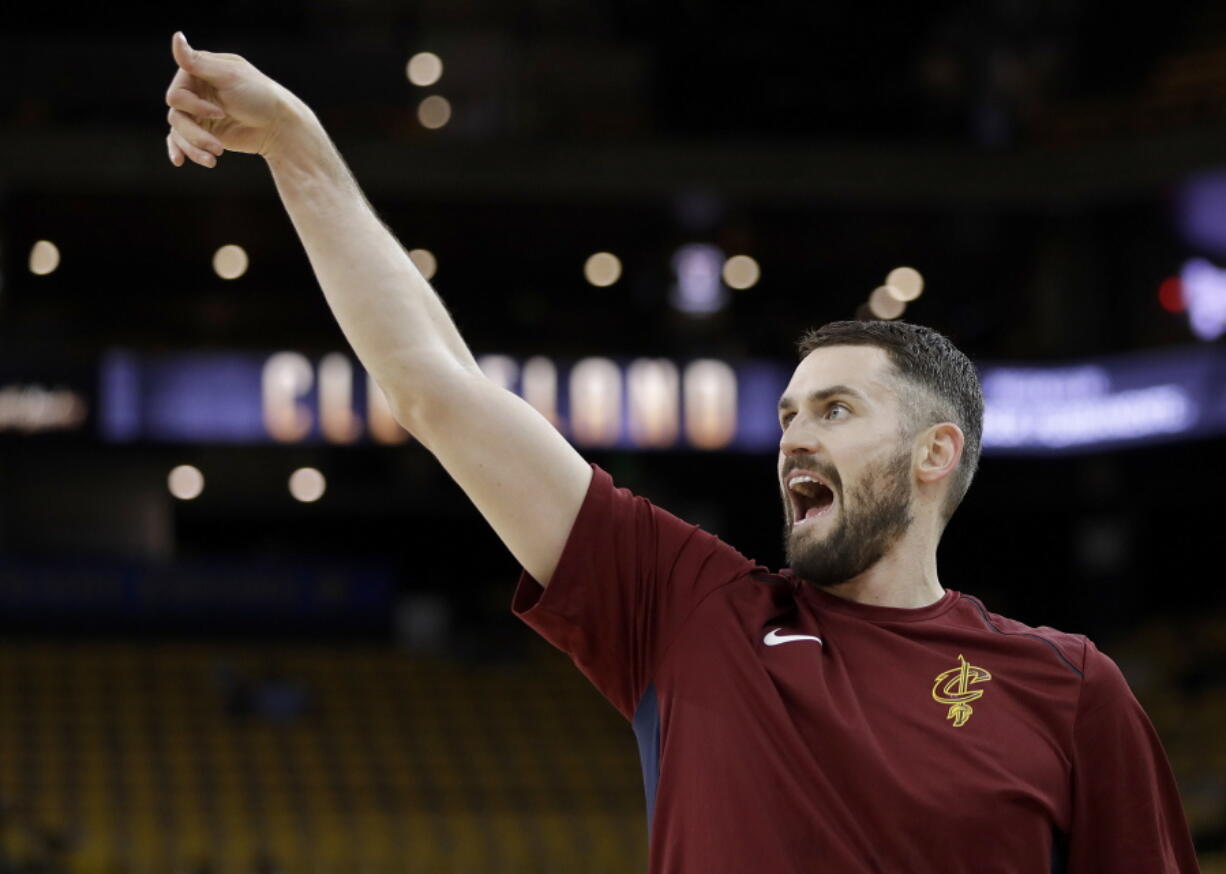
[[939, 450]]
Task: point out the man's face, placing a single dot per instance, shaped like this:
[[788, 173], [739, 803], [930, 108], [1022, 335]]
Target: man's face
[[842, 430]]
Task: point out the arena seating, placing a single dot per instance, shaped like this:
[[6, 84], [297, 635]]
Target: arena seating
[[231, 758], [221, 758]]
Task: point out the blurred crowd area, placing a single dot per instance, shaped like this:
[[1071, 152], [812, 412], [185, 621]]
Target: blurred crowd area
[[239, 758]]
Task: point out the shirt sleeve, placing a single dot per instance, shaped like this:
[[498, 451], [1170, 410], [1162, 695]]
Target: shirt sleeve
[[1127, 815], [629, 576]]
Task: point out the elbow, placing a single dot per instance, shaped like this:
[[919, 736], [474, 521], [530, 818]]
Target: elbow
[[425, 404], [407, 411]]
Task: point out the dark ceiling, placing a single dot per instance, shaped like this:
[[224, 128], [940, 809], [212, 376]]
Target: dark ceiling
[[1022, 155]]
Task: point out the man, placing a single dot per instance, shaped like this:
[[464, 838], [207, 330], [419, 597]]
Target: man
[[847, 714]]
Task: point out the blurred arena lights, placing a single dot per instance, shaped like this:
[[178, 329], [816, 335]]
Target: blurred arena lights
[[44, 258], [884, 305], [307, 484], [602, 269], [1204, 295], [424, 68], [434, 112], [905, 284], [230, 261], [741, 272], [425, 262], [698, 290], [185, 482], [1170, 295]]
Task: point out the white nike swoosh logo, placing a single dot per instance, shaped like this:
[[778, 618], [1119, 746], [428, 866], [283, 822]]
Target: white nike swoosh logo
[[774, 638]]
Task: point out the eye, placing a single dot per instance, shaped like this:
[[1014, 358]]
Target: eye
[[783, 422], [836, 407]]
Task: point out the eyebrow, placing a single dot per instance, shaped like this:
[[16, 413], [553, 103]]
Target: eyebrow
[[822, 394]]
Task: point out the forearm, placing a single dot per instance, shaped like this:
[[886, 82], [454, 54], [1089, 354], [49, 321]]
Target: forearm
[[388, 312]]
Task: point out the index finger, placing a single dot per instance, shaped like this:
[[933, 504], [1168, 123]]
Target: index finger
[[185, 80]]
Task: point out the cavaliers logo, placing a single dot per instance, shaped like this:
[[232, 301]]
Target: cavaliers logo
[[953, 688]]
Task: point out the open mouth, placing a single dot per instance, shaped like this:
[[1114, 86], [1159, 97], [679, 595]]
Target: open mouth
[[811, 497]]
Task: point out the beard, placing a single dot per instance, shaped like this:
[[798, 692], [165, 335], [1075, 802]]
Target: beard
[[877, 515]]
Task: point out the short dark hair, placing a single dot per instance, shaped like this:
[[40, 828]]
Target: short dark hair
[[927, 360]]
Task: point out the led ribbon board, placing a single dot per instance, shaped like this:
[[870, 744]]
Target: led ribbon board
[[645, 403]]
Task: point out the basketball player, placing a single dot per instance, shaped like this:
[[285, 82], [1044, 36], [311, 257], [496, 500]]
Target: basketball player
[[847, 714]]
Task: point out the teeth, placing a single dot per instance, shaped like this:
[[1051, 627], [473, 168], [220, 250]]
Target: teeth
[[804, 480]]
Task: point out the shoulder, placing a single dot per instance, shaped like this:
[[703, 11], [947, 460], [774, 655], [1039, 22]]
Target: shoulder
[[1102, 684], [633, 535], [1072, 650]]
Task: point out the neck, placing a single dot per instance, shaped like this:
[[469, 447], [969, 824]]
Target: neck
[[906, 576]]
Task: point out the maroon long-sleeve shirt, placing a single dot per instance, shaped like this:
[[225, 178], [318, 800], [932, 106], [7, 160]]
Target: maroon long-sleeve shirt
[[783, 729]]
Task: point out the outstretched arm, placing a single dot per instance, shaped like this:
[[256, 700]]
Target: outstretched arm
[[522, 475]]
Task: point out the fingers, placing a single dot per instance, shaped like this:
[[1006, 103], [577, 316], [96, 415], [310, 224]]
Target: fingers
[[206, 65], [199, 156], [182, 80], [187, 139], [176, 154], [187, 127], [183, 99], [184, 55], [192, 140]]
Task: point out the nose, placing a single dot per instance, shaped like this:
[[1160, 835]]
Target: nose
[[797, 439]]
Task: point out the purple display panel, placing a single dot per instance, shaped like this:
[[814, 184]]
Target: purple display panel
[[1128, 400], [240, 398], [194, 398], [649, 404]]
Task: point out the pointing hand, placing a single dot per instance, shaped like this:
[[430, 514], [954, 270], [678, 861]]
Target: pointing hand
[[219, 102]]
